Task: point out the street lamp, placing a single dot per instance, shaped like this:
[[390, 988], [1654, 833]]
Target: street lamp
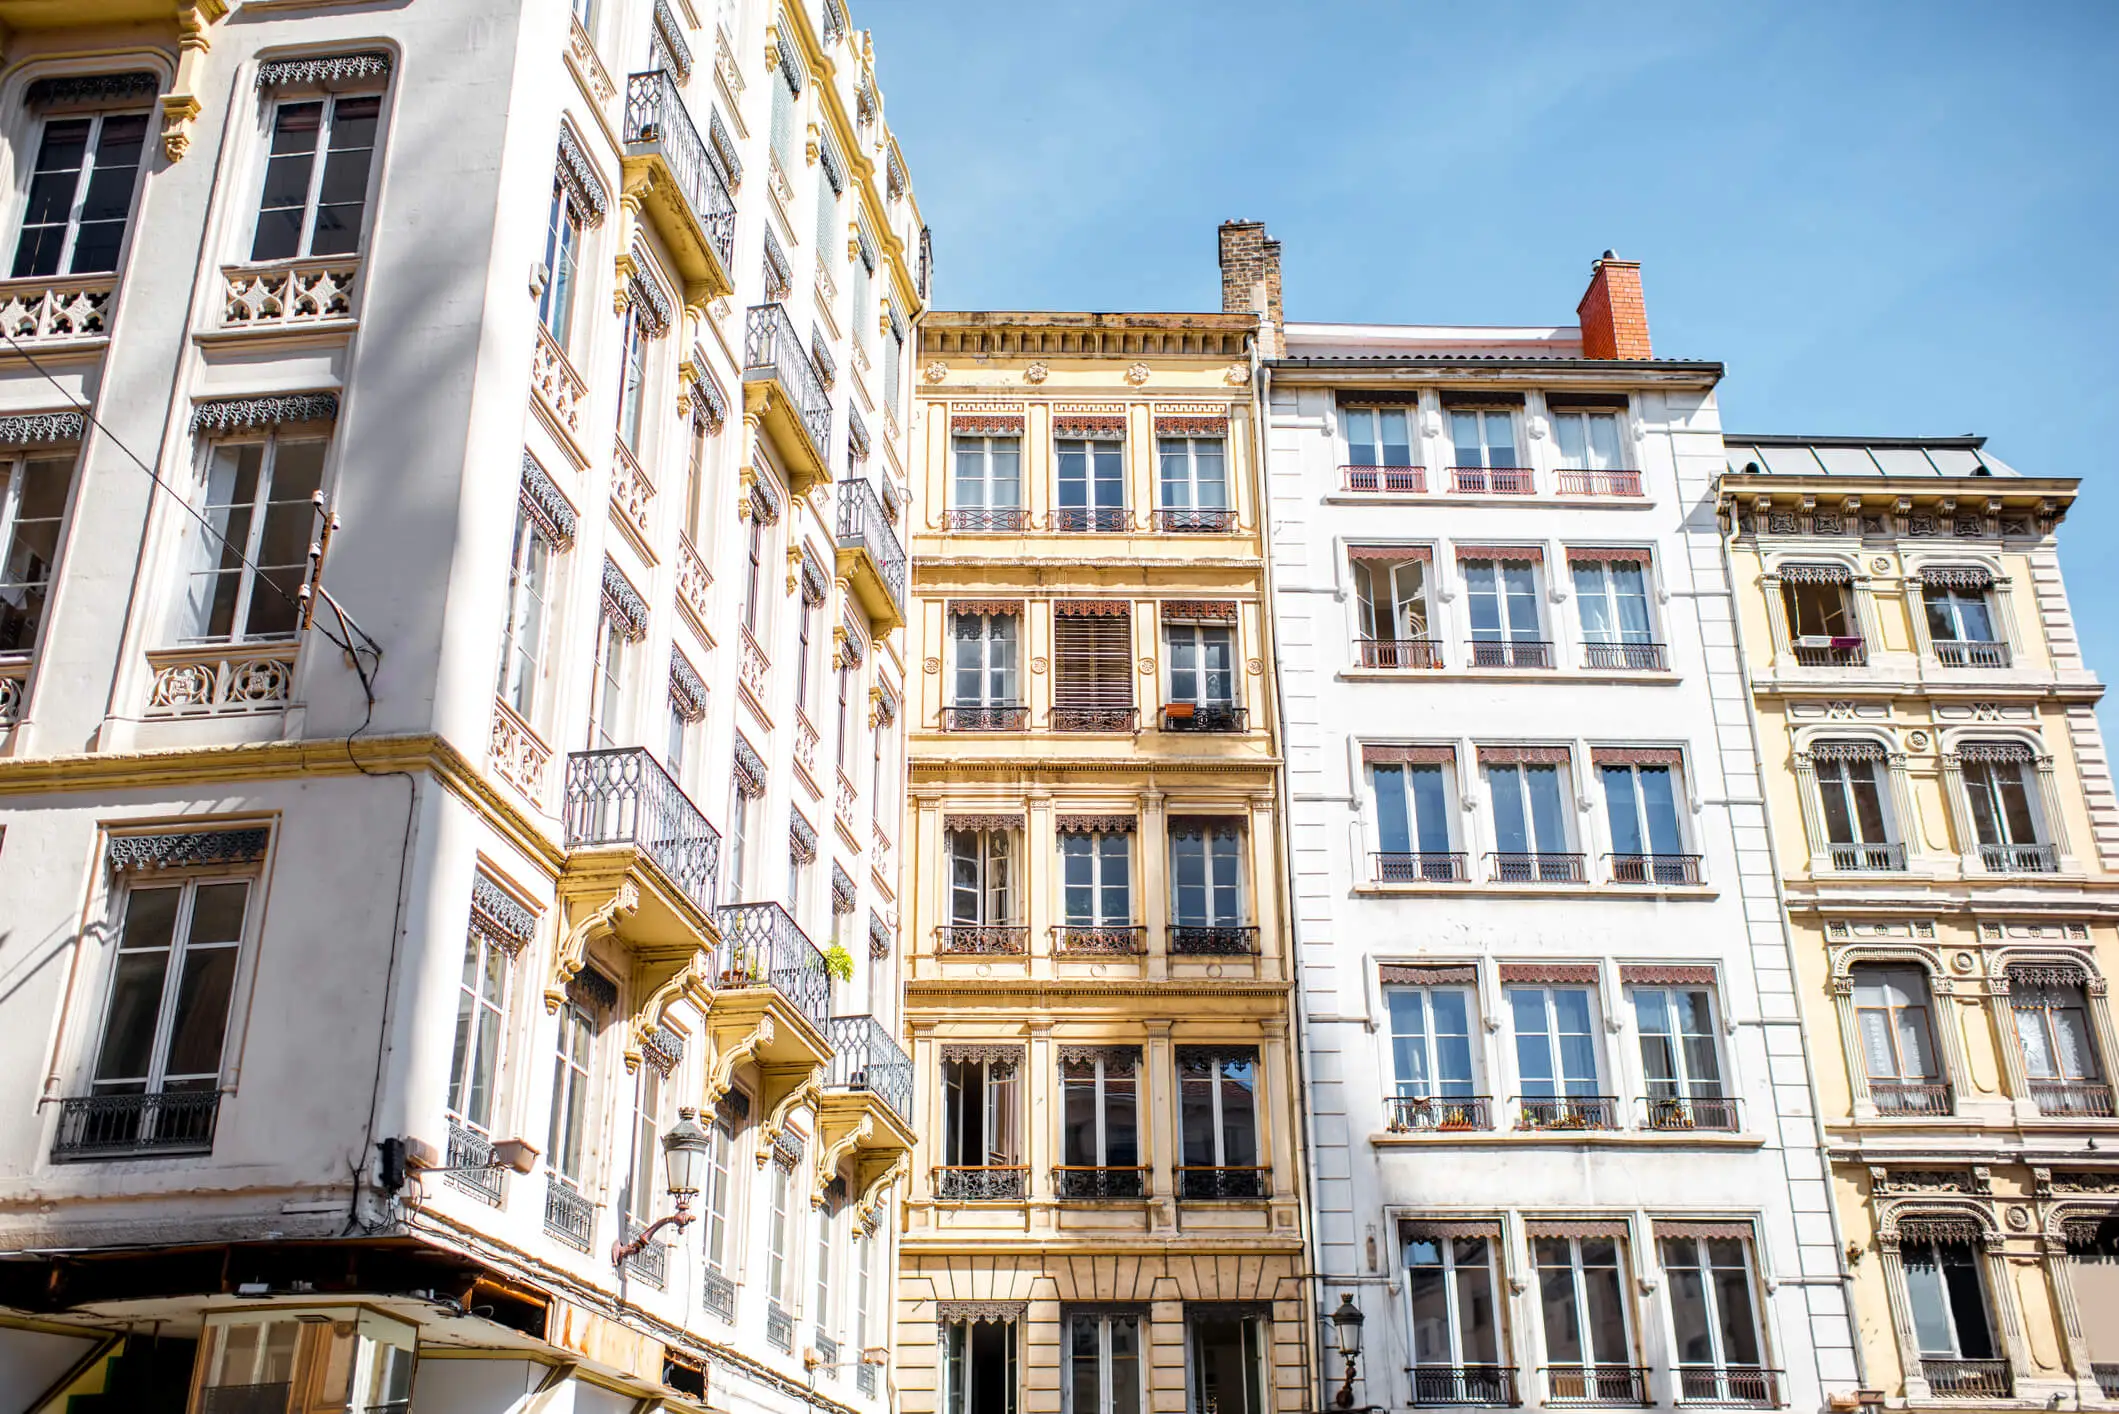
[[684, 1155], [1346, 1331]]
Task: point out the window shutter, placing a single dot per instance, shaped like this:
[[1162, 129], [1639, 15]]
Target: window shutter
[[1092, 662]]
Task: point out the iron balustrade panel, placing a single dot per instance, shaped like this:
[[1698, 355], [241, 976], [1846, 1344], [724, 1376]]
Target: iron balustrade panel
[[246, 1399], [864, 1378], [983, 939], [1101, 940], [865, 1056], [1194, 520], [622, 795], [1385, 480], [1567, 1112], [1969, 653], [655, 117], [1201, 1181], [1083, 519], [985, 719], [1589, 1385], [1749, 1386], [650, 1263], [987, 520], [2085, 1099], [2020, 858], [1401, 653], [1711, 1112], [1193, 940], [1911, 1097], [1095, 719], [719, 1294], [1413, 1114], [1968, 1379], [471, 1155], [1675, 870], [864, 526], [1491, 480], [2107, 1377], [1464, 1384], [1427, 868], [1204, 717], [1868, 858], [128, 1126], [762, 945], [827, 1355], [1631, 657], [1839, 653], [1575, 482], [567, 1215], [779, 1328], [771, 345], [1080, 1181], [1538, 868], [971, 1183], [1511, 653]]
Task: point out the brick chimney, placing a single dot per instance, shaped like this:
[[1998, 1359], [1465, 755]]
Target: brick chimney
[[1614, 321], [1250, 278]]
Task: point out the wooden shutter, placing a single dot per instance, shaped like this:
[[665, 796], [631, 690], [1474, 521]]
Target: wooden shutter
[[1092, 662]]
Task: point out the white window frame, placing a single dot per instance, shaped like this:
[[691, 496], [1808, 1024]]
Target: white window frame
[[1688, 1085], [1182, 454], [84, 177], [783, 1236], [320, 160], [1376, 412], [643, 1192], [1208, 830], [1605, 590], [471, 1063], [206, 545], [1561, 1082], [1580, 418], [1405, 1087], [179, 949], [1497, 1292], [985, 450], [1509, 630], [565, 233], [1097, 852], [1711, 1303], [997, 887], [1103, 1322], [1486, 441], [1217, 1078], [1102, 1102], [1197, 638], [1637, 802], [1403, 608], [609, 684], [1563, 772], [721, 1228], [532, 586], [573, 1074], [999, 656], [1585, 1337], [17, 471]]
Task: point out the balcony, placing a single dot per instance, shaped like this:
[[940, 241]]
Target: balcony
[[1599, 483], [1738, 1386], [1491, 481], [2073, 1099], [268, 1398], [1429, 868], [1968, 1379], [1716, 1113], [1626, 657], [781, 384], [681, 188], [985, 718], [222, 679], [1424, 1114], [1095, 719], [762, 948], [568, 1216], [2019, 858], [1666, 870], [980, 1183], [1195, 520], [987, 520], [651, 1263], [1911, 1097], [1218, 1182], [1099, 940], [1567, 1112], [1384, 480], [1596, 1386], [1537, 869], [1849, 858], [1464, 1384], [1086, 1181], [1401, 653], [866, 1058], [288, 294], [870, 557], [136, 1126], [2107, 1377], [779, 1328], [1966, 653], [718, 1294], [1511, 653], [57, 310], [1204, 717], [865, 1113], [471, 1164], [1223, 940], [982, 940], [1078, 520], [1818, 651]]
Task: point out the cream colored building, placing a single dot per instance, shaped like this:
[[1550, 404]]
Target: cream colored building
[[1944, 819]]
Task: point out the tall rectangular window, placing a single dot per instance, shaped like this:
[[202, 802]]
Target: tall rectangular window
[[2003, 794], [1456, 1318], [981, 877], [1850, 790], [983, 660], [1100, 1123], [755, 553], [717, 1198], [979, 1367], [783, 120], [2060, 1060], [1484, 440], [33, 496], [1892, 1016], [1217, 1100], [1104, 1364], [805, 625], [573, 1075], [1092, 671], [1714, 1319], [1530, 802], [1096, 879], [1380, 436], [1202, 664], [607, 684], [252, 553], [980, 1124], [824, 1313], [1092, 485], [80, 195], [632, 382], [1948, 1298], [1817, 609], [1228, 1351], [1582, 1295], [1588, 441], [1612, 598], [893, 365], [1680, 1059], [1502, 599], [1958, 613], [1413, 818], [643, 1184], [1431, 1041], [1206, 874], [481, 1015], [522, 643], [1556, 1042], [562, 259], [989, 474], [178, 944], [780, 1233], [1391, 595], [1641, 811], [1194, 474], [312, 207]]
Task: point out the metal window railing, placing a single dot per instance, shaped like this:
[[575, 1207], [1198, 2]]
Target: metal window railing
[[622, 795], [771, 346], [987, 520], [1587, 1386], [1511, 868], [986, 939], [2107, 1377], [1680, 1112], [1911, 1097], [1970, 653], [1401, 653], [1385, 480], [2086, 1099], [1831, 653], [1194, 520], [1968, 1379], [1217, 1181], [1414, 1114], [1204, 717], [471, 1164], [1096, 1181], [1085, 519], [568, 1216], [981, 1183], [2019, 858], [1867, 858], [1575, 482], [779, 1327], [762, 945], [865, 1056], [1099, 939], [1511, 653], [1748, 1386], [1491, 480], [1427, 868], [1464, 1384], [718, 1294], [655, 117], [864, 526], [1095, 719], [1222, 940], [1567, 1112], [1666, 869], [1004, 717], [1626, 657], [129, 1126], [268, 1398], [651, 1262]]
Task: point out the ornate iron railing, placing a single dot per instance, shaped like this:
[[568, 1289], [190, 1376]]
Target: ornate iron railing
[[1749, 1386], [1576, 482], [981, 1183], [1833, 653], [1969, 653], [1592, 1385], [1094, 719], [567, 1215], [1387, 480], [865, 1056], [1080, 519], [1712, 1112], [2020, 858], [1464, 1384], [779, 1328], [1087, 1181], [1631, 657], [864, 526], [651, 1262], [1567, 1112], [771, 346], [761, 945], [985, 718], [125, 1126], [1100, 939], [470, 1160], [1511, 653], [1911, 1097], [989, 520], [1491, 480], [1204, 717], [1216, 1181], [2087, 1099], [718, 1294], [2107, 1377], [1194, 520], [655, 118], [1538, 868], [864, 1378], [246, 1399], [1001, 939], [1412, 1114], [1667, 869], [1968, 1379], [827, 1355], [621, 795], [1868, 858], [1401, 653], [1428, 868], [1219, 940]]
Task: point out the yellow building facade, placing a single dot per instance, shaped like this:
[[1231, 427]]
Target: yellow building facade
[[1947, 836], [1105, 1210]]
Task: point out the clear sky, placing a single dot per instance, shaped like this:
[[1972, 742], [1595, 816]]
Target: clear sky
[[1883, 218]]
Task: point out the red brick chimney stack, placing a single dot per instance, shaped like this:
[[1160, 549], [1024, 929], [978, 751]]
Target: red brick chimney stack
[[1250, 278], [1613, 318]]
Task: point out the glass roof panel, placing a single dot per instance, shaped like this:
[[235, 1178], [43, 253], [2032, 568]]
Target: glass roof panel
[[1904, 461], [1847, 461], [1792, 461]]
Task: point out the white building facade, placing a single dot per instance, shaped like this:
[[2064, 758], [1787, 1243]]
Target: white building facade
[[368, 929], [1563, 1143]]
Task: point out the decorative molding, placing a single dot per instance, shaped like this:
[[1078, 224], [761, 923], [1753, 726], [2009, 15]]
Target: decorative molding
[[650, 302], [970, 1053], [1198, 611], [844, 893], [224, 415], [687, 688], [40, 428], [801, 838], [879, 936], [1096, 824], [189, 849], [577, 173], [498, 916], [594, 923], [623, 602], [749, 769], [671, 33], [547, 504], [69, 90], [954, 821], [323, 72]]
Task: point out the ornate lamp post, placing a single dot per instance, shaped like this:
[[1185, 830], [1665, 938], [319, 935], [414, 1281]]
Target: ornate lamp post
[[684, 1152], [1346, 1331]]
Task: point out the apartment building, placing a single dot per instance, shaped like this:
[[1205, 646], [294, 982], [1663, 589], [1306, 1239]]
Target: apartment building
[[1105, 1209], [450, 705], [1561, 1131], [1944, 821]]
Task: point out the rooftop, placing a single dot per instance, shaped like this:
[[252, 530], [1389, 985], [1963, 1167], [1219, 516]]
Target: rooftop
[[1777, 454]]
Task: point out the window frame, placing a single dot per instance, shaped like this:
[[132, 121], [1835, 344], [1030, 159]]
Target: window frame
[[721, 1225], [1582, 418], [472, 1053], [1505, 629], [208, 561], [1983, 785], [574, 1076], [1711, 1305], [565, 232], [1562, 1084], [1218, 1079], [532, 580], [986, 449], [1526, 802], [1094, 456], [999, 665], [1210, 828], [1894, 1017], [1941, 1287], [1684, 1084], [1404, 609], [956, 1338], [1379, 448], [177, 956], [1487, 444], [1187, 450], [1452, 1288], [995, 853], [1001, 1093], [609, 683], [1947, 598], [1254, 1337], [1585, 1330], [15, 467], [1636, 800], [84, 178], [1100, 858], [320, 162], [1605, 592], [1839, 769], [1105, 1097], [1195, 637], [1103, 1321], [1429, 1039], [1409, 818]]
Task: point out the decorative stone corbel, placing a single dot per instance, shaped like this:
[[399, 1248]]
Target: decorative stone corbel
[[807, 1093], [693, 980], [829, 1153], [180, 106], [813, 146], [870, 1198], [724, 1055], [794, 564], [601, 922]]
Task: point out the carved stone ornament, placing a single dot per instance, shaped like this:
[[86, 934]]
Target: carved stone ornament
[[1917, 740], [498, 917], [577, 173], [39, 428], [1036, 373], [190, 849], [573, 950], [1238, 375], [66, 90], [949, 1313], [225, 415], [1137, 374], [843, 893], [930, 666], [801, 838], [935, 372], [546, 504], [623, 602], [749, 769], [323, 72]]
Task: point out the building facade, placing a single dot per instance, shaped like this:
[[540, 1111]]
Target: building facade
[[1944, 821], [1563, 1150], [1105, 1213], [369, 928]]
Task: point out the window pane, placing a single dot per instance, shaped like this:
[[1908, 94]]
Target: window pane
[[1556, 1300], [287, 170], [1239, 1120], [51, 197], [1360, 437], [1397, 443], [1548, 816], [1574, 446], [136, 987], [108, 201], [1622, 810], [1430, 809], [1409, 1040], [1453, 1052], [1534, 1056], [1478, 1333], [1391, 824], [1504, 785]]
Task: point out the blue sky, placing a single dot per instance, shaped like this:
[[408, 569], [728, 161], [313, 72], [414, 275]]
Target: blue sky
[[1884, 218]]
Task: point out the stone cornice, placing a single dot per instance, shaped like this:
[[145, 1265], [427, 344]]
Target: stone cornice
[[987, 990], [939, 771]]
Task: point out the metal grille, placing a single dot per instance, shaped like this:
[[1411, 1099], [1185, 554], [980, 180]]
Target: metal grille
[[650, 1263], [718, 1293], [2019, 858], [120, 1126], [1203, 717], [1088, 518], [1422, 868], [1241, 941], [1832, 653], [1194, 520], [864, 1378], [1868, 858], [863, 526], [1094, 719], [1655, 868], [1401, 653], [1511, 653], [623, 796], [1084, 940], [985, 719], [984, 938], [2086, 1099], [567, 1215], [987, 519], [1600, 483], [1204, 1181], [779, 1328], [656, 121], [472, 1156], [245, 1399], [1077, 1181], [1642, 657], [1464, 1384], [1747, 1385], [1591, 1385], [865, 1056], [761, 946], [1960, 653], [1490, 481], [974, 1184], [1567, 1112], [1387, 480], [1910, 1097], [771, 347], [1715, 1112], [1411, 1114], [1538, 868]]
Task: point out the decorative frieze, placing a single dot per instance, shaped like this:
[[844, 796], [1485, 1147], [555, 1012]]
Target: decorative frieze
[[92, 90], [41, 428], [328, 71], [749, 769], [222, 416], [578, 176], [623, 603], [499, 917], [844, 894], [75, 308], [221, 679], [546, 504], [187, 849]]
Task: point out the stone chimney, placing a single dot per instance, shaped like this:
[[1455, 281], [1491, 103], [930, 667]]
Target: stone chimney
[[1250, 279], [1614, 321]]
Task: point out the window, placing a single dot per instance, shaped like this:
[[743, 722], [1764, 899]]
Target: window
[[989, 478], [863, 309], [1100, 1116], [2059, 1058], [1714, 1321], [258, 513], [1449, 1291], [1820, 618], [805, 624], [718, 1200], [1680, 1061], [1483, 441], [1202, 664], [1413, 809], [1104, 1364], [178, 945], [80, 195], [573, 1073], [2002, 792], [1092, 485], [979, 1367], [632, 382], [33, 496], [1392, 594], [1611, 595], [827, 209], [740, 812], [824, 1314], [677, 748], [754, 572], [1502, 598], [643, 1185], [1891, 1015], [984, 661], [1556, 1056], [849, 728], [1588, 441], [1431, 1041], [2093, 1271], [1092, 671], [1195, 487], [1531, 806], [562, 259], [1096, 879], [979, 1100], [310, 207], [1582, 1294], [1206, 874], [481, 1013], [864, 1291], [607, 684], [529, 599], [319, 1359], [981, 877], [783, 120], [893, 364], [780, 1232], [1217, 1098], [1228, 1362], [1641, 808], [1380, 436], [1948, 1300], [1851, 798], [1958, 613]]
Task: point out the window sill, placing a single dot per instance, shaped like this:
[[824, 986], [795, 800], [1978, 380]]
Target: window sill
[[335, 330], [1447, 498], [1641, 677], [1600, 1138], [1489, 889]]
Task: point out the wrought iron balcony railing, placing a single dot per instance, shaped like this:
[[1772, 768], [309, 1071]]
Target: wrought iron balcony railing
[[1217, 1181], [987, 520], [2107, 1377], [2081, 1099], [987, 939], [1538, 868], [865, 1056], [1464, 1384], [1384, 480], [1095, 719], [1831, 652], [772, 347], [1415, 1114], [1626, 657], [1222, 940], [1867, 858], [568, 1216], [622, 795], [655, 118], [863, 526], [471, 1164], [828, 1353], [134, 1126], [1590, 1386], [1204, 717], [2020, 858], [762, 946], [268, 1398], [1666, 869], [1100, 939], [1969, 653], [1547, 1112], [718, 1294], [1511, 653], [1401, 653], [1911, 1097], [986, 717], [1968, 1379], [1085, 519], [1744, 1386], [1491, 480], [651, 1262], [779, 1327], [1194, 520], [1709, 1112], [1087, 1181], [1427, 868], [1599, 483], [981, 1183]]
